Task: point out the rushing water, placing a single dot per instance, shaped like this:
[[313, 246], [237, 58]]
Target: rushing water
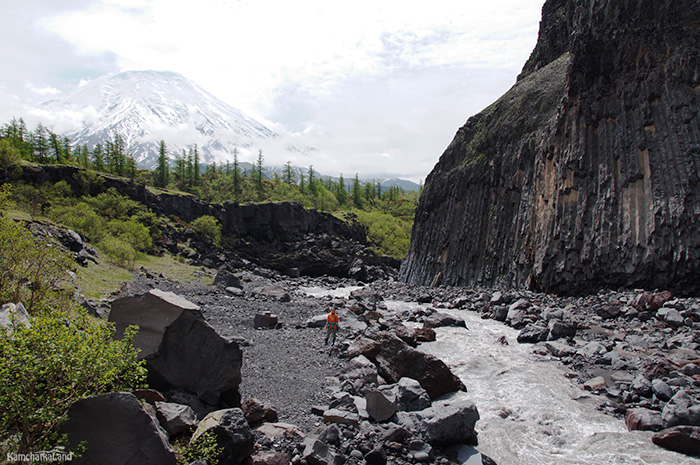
[[531, 412]]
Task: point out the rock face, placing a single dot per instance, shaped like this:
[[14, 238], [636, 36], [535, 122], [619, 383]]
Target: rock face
[[586, 173]]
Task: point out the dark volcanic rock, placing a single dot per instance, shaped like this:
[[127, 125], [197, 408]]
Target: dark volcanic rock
[[116, 430], [599, 186]]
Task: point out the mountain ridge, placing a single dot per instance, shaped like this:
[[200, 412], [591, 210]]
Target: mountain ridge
[[145, 107]]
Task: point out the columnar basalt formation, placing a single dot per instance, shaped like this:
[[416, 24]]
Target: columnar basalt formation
[[586, 173]]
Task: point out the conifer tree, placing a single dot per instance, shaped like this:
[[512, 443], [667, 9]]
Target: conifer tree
[[196, 174], [236, 177], [161, 172], [288, 174]]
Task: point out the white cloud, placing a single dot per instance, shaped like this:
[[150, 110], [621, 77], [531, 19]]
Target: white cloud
[[360, 79]]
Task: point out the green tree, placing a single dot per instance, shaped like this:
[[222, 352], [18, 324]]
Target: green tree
[[40, 143], [98, 157], [161, 171], [357, 192], [288, 174], [259, 175]]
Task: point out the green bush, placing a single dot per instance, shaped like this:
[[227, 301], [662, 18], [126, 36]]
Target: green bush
[[60, 358], [30, 269], [204, 447], [132, 232], [113, 205], [82, 218], [209, 227], [121, 252]]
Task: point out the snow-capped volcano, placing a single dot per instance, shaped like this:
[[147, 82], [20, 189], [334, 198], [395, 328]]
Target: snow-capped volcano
[[145, 107]]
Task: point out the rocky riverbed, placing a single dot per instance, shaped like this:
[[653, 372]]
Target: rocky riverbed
[[636, 353]]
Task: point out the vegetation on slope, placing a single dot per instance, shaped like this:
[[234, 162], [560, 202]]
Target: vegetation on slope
[[387, 213]]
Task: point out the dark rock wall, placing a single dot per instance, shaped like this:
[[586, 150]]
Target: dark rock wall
[[585, 175], [268, 222]]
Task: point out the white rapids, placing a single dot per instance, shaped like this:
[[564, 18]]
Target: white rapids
[[531, 413]]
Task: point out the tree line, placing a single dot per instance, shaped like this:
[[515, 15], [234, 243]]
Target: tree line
[[391, 207]]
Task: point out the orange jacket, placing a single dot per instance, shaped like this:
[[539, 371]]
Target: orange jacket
[[332, 320]]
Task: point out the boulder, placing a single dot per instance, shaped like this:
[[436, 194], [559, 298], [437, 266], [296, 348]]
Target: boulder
[[643, 419], [608, 311], [379, 407], [425, 334], [265, 320], [439, 320], [13, 312], [661, 390], [116, 430], [680, 410], [226, 279], [517, 313], [406, 334], [670, 315], [232, 434], [396, 360], [683, 439], [256, 412], [360, 372], [270, 457], [152, 312], [181, 349], [277, 431], [641, 386], [275, 292], [559, 329], [533, 334], [595, 384], [317, 452], [657, 300], [336, 415], [407, 394], [175, 418], [445, 422]]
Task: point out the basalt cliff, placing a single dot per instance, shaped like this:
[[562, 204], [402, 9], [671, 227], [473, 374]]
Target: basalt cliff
[[586, 174]]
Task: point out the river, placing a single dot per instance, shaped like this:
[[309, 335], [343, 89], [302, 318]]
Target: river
[[531, 412]]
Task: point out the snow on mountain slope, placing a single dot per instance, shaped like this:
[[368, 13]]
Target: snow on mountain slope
[[148, 106]]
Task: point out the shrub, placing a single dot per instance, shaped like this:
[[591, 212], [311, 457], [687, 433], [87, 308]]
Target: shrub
[[9, 160], [30, 269], [113, 205], [203, 448], [132, 232], [209, 227], [60, 358], [82, 218], [120, 251]]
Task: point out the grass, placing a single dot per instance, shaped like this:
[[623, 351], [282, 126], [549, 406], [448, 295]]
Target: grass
[[104, 279]]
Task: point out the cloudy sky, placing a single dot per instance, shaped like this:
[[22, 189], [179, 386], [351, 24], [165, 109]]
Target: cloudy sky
[[378, 86]]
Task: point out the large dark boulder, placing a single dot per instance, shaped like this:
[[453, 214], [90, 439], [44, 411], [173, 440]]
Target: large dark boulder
[[116, 430], [180, 348], [584, 175], [395, 360]]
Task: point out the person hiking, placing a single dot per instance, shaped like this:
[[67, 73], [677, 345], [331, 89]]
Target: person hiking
[[331, 326]]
